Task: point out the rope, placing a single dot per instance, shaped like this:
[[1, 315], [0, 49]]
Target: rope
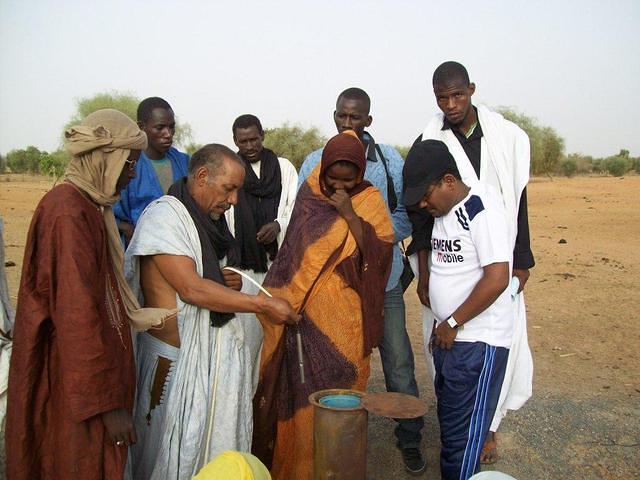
[[247, 277]]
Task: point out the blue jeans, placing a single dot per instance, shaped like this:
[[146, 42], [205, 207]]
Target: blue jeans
[[397, 364]]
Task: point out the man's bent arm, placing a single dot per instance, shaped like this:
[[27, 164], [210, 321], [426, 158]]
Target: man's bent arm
[[493, 282], [180, 272], [522, 255], [422, 226], [423, 277], [486, 291]]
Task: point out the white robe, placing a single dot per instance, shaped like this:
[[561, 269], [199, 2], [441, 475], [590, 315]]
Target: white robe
[[7, 316], [505, 155], [166, 227], [289, 177], [7, 313]]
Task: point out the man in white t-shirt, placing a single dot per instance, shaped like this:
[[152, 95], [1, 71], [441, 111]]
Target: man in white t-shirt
[[471, 251]]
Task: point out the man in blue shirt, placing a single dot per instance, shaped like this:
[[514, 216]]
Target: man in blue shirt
[[160, 164], [384, 171]]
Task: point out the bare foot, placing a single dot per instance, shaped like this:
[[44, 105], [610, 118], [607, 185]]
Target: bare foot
[[489, 452]]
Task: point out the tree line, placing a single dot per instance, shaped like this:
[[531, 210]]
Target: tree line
[[295, 143], [548, 157]]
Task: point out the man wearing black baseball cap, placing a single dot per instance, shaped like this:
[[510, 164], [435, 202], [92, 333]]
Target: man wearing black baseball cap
[[426, 164], [473, 319]]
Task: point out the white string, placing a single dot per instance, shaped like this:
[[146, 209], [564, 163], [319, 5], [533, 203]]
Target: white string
[[247, 277]]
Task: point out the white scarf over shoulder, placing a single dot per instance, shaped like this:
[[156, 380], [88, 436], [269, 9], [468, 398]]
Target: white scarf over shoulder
[[505, 154], [505, 147]]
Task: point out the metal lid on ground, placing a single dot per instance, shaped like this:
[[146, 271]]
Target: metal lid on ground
[[394, 405]]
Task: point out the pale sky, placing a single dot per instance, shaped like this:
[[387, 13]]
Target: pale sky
[[572, 65]]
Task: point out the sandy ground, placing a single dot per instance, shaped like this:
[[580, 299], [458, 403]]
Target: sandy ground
[[583, 421]]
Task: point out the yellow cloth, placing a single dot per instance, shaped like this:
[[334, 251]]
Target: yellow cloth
[[232, 465], [100, 146]]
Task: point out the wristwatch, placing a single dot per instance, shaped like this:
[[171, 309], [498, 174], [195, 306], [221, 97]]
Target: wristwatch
[[452, 322]]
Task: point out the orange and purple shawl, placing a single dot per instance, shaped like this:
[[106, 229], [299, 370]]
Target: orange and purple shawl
[[338, 289]]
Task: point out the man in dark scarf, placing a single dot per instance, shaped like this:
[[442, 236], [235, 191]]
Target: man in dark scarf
[[216, 242], [255, 215], [179, 246]]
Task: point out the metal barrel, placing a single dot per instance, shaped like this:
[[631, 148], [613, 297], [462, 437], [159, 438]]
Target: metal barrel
[[339, 435]]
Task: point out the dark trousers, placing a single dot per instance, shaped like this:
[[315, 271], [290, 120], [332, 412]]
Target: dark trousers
[[467, 385], [396, 356]]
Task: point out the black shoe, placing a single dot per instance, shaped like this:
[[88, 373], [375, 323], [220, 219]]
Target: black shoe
[[413, 461]]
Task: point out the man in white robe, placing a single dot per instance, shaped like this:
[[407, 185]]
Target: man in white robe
[[495, 151], [7, 312], [195, 385], [7, 315]]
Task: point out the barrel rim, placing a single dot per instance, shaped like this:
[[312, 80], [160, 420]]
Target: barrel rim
[[314, 398]]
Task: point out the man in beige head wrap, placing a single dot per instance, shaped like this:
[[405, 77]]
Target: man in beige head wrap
[[72, 376]]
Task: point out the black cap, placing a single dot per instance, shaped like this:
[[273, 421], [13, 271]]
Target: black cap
[[427, 162]]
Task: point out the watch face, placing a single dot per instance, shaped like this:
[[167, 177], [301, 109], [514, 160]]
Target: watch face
[[452, 323]]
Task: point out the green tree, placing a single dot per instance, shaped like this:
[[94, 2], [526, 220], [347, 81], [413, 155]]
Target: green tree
[[623, 153], [293, 142], [192, 148], [632, 163], [127, 103], [54, 164], [547, 147], [183, 135], [584, 163], [124, 102], [3, 163], [598, 165], [25, 160], [569, 167], [617, 165], [402, 150]]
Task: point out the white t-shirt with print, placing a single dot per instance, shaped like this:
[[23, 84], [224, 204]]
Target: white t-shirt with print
[[472, 235]]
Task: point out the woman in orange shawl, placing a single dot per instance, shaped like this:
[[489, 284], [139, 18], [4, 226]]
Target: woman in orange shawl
[[333, 268]]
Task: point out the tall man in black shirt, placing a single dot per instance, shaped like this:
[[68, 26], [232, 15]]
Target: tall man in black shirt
[[492, 150]]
